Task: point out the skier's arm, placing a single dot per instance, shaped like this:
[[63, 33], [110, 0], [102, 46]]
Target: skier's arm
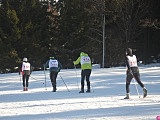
[[128, 67], [46, 64], [59, 66], [31, 69], [129, 70], [20, 70], [77, 61]]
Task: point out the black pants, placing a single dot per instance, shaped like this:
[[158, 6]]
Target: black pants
[[25, 78], [53, 77], [130, 75], [85, 74]]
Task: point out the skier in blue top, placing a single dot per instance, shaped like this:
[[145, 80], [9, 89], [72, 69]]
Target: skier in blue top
[[54, 67]]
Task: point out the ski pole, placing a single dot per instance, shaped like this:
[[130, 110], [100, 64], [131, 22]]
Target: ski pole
[[64, 83], [20, 79], [135, 85], [45, 78], [76, 76], [136, 88], [91, 87], [33, 78]]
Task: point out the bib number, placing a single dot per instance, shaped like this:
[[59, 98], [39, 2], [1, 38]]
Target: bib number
[[53, 63], [85, 59]]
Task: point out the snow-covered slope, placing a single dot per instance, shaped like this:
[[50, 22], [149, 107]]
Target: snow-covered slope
[[105, 102]]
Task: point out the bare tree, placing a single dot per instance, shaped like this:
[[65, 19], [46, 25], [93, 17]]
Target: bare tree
[[131, 12]]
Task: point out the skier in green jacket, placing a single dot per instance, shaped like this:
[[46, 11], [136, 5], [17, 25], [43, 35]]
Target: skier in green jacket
[[86, 68]]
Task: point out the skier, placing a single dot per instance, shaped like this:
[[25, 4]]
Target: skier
[[86, 68], [132, 71], [26, 71], [54, 67]]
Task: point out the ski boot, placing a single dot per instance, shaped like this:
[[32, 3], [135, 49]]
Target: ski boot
[[127, 96], [26, 89], [82, 91], [54, 89], [88, 91], [144, 92]]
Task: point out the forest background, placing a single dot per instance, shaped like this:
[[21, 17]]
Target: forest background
[[37, 29]]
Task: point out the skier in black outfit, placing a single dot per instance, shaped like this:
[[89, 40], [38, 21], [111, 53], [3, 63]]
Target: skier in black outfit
[[54, 68], [132, 71]]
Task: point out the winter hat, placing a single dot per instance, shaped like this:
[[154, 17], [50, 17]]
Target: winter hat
[[82, 53], [128, 51], [25, 59]]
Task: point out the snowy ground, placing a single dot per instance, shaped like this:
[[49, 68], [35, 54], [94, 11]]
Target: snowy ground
[[105, 102]]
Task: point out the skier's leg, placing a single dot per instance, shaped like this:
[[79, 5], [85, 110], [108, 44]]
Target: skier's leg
[[137, 77], [27, 79], [88, 73], [54, 81], [82, 81], [23, 78], [128, 81]]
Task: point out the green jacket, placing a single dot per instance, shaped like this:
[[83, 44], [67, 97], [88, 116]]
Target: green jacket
[[84, 60]]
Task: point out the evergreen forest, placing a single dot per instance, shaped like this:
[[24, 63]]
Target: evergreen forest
[[38, 29]]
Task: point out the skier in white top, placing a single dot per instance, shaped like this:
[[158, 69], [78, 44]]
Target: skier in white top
[[132, 71], [26, 71]]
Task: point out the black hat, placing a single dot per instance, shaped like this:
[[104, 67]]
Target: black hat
[[128, 51]]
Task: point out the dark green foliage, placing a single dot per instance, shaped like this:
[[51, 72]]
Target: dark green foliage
[[37, 30]]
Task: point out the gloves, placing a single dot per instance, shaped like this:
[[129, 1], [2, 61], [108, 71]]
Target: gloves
[[74, 63]]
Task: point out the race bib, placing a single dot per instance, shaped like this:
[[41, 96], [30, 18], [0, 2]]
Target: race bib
[[25, 66], [85, 59], [53, 63], [132, 60]]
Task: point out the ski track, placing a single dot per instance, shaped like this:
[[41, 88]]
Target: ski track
[[105, 102]]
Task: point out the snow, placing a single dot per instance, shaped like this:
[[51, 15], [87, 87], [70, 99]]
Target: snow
[[105, 102]]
